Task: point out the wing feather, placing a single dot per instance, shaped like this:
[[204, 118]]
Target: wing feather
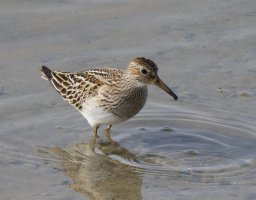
[[76, 87]]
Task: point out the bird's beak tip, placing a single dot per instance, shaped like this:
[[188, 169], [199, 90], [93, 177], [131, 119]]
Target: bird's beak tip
[[175, 97], [158, 82]]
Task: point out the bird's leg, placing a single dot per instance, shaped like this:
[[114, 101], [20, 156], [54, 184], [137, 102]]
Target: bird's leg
[[95, 134], [94, 137], [107, 132], [95, 131]]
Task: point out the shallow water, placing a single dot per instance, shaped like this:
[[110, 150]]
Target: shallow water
[[200, 147], [172, 152]]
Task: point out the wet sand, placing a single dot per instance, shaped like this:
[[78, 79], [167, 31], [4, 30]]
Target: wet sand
[[205, 51]]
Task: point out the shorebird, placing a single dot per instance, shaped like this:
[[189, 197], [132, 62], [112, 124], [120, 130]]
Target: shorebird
[[106, 96]]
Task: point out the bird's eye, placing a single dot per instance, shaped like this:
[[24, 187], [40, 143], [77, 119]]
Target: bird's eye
[[143, 71]]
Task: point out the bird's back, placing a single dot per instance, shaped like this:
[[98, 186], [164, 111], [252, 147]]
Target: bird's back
[[76, 87]]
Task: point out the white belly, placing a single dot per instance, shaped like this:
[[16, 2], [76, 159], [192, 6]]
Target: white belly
[[97, 116]]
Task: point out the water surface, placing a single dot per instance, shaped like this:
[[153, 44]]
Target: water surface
[[181, 151], [200, 147]]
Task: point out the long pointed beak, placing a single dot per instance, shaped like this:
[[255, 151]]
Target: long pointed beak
[[164, 87]]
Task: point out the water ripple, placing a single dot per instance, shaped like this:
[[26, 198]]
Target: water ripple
[[195, 145], [171, 149]]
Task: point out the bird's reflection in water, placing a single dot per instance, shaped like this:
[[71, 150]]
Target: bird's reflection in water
[[94, 172]]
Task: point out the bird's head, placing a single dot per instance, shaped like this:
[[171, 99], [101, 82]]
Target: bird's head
[[145, 71]]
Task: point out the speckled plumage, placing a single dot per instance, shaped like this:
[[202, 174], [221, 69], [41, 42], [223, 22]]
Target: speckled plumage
[[107, 95]]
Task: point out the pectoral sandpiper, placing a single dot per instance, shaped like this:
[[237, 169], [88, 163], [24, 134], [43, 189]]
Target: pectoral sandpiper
[[107, 95]]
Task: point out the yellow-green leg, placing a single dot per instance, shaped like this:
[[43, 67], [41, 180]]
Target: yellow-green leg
[[95, 131], [107, 132], [94, 137]]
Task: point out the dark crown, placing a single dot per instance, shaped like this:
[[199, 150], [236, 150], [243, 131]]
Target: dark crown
[[145, 62]]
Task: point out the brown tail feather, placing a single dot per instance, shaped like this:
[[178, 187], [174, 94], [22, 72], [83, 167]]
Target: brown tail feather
[[46, 73]]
